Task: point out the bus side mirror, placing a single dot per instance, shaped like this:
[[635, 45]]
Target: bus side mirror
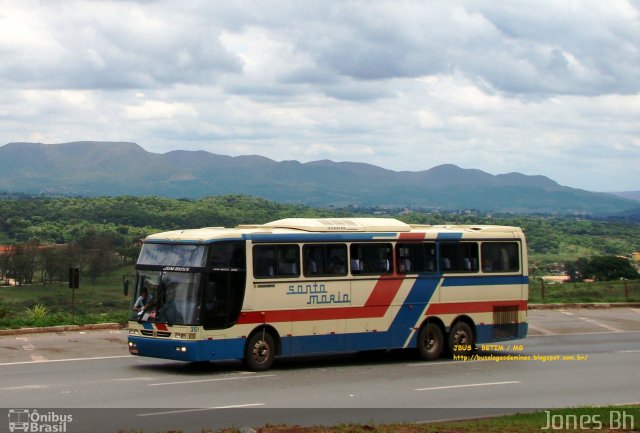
[[126, 287]]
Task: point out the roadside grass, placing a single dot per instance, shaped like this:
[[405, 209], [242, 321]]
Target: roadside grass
[[598, 291], [37, 305], [603, 419]]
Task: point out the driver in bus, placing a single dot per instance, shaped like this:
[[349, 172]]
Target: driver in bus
[[143, 300]]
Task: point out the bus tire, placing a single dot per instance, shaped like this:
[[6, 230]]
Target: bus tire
[[461, 340], [430, 341], [260, 351]]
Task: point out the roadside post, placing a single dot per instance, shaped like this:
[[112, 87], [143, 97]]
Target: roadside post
[[74, 283], [626, 291]]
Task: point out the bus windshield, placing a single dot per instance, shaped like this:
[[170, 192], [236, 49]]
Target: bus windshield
[[171, 297], [172, 255]]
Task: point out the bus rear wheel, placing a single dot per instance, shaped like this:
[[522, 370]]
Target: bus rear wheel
[[260, 351], [461, 340], [430, 342]]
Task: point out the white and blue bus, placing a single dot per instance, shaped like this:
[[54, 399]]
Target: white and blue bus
[[312, 286]]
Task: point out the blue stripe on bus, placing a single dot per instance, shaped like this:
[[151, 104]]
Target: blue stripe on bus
[[205, 350], [229, 349], [449, 236], [410, 312], [394, 337]]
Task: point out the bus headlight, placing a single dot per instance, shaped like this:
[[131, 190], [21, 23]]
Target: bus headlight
[[133, 332], [133, 348], [181, 349]]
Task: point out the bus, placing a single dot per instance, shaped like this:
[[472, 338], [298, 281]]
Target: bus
[[302, 286]]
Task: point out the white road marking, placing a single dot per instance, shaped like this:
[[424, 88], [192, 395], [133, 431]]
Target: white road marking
[[467, 385], [26, 344], [542, 330], [584, 333], [16, 388], [427, 363], [65, 360], [171, 412], [602, 325], [133, 379], [595, 322], [628, 351], [219, 379]]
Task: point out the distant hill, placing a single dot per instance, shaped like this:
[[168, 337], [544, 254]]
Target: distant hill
[[106, 168], [632, 195]]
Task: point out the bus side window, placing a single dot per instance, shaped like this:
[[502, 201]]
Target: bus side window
[[500, 257], [288, 261], [276, 261], [416, 257], [459, 257], [403, 258], [371, 258], [325, 259]]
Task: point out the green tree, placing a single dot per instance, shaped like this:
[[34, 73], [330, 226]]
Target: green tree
[[99, 252], [577, 270], [608, 268], [54, 262]]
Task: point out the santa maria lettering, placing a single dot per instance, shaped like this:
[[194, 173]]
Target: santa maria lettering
[[317, 294]]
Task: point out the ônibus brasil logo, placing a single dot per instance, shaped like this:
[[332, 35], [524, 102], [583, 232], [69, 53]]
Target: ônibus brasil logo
[[32, 421]]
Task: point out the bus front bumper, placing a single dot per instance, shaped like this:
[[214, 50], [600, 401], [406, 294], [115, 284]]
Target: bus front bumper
[[191, 351]]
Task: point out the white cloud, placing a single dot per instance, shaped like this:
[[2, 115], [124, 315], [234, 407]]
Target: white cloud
[[544, 87], [158, 110]]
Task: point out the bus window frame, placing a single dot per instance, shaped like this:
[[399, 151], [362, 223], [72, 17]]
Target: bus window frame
[[474, 268], [275, 263], [486, 271], [390, 258], [401, 267], [325, 245]]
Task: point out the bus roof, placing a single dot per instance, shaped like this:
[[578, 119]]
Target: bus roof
[[341, 224], [331, 225]]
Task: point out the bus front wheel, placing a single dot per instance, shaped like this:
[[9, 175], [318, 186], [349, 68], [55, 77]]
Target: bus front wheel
[[430, 342], [260, 351]]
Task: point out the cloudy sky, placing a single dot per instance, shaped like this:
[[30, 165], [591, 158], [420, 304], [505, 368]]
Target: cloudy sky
[[538, 87]]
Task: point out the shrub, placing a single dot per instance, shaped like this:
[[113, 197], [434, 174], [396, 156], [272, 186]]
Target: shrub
[[37, 313]]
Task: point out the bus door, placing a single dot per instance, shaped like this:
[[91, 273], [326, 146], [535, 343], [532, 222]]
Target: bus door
[[225, 285]]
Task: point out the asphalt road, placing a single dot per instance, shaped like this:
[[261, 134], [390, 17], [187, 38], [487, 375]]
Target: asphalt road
[[571, 358]]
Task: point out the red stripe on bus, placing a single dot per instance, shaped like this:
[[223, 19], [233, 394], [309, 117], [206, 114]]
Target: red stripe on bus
[[312, 314], [412, 236], [472, 307], [385, 290], [376, 305]]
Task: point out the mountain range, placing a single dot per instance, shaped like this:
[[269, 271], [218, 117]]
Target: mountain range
[[116, 168]]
